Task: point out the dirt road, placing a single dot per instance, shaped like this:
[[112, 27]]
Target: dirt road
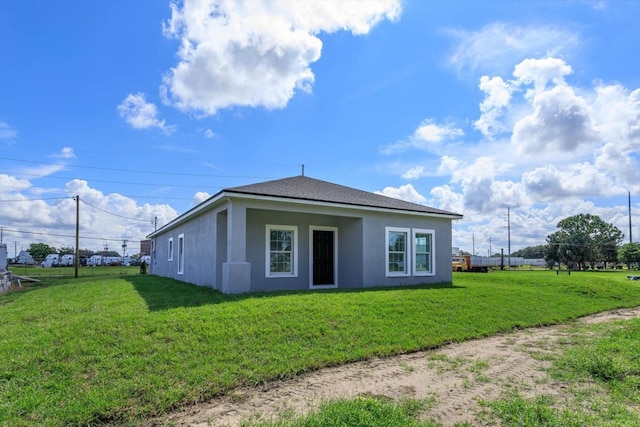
[[455, 376]]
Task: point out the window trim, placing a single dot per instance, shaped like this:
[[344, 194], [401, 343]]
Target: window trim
[[407, 252], [181, 253], [294, 251], [170, 249], [432, 234]]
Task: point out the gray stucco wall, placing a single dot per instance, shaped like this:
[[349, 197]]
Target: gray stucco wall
[[257, 220], [199, 252], [375, 251]]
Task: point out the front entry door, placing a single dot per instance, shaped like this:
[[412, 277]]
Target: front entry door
[[323, 258]]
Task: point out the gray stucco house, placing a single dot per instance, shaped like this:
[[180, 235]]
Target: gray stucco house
[[302, 233]]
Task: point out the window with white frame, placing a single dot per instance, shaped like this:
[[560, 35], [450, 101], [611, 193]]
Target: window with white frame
[[423, 252], [398, 251], [170, 249], [181, 254], [281, 250]]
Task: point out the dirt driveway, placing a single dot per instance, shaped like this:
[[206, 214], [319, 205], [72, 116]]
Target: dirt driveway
[[454, 376]]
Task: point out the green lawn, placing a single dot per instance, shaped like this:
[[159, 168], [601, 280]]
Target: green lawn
[[120, 348]]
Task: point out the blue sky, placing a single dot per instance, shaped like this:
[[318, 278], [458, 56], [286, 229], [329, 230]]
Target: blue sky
[[146, 108]]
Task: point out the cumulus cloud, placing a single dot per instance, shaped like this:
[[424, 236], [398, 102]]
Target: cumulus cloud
[[209, 134], [497, 98], [560, 123], [404, 192], [255, 53], [200, 197], [10, 185], [445, 197], [141, 114], [496, 46], [104, 218], [542, 71], [427, 137]]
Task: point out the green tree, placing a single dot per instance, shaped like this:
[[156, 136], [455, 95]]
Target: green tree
[[629, 254], [66, 251], [39, 251], [583, 239], [531, 252], [86, 253]]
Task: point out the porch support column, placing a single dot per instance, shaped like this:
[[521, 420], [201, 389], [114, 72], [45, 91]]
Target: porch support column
[[236, 272]]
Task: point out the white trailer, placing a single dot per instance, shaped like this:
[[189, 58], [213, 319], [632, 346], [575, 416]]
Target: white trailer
[[52, 260], [67, 260]]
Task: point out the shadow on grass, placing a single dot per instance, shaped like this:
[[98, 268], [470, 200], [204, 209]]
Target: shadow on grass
[[161, 293]]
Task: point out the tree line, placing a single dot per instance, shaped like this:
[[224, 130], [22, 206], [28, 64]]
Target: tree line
[[585, 241]]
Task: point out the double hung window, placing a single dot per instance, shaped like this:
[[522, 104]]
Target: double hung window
[[282, 251], [409, 252]]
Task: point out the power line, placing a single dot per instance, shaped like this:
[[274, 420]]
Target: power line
[[115, 214], [107, 181], [65, 235], [135, 171], [36, 200]]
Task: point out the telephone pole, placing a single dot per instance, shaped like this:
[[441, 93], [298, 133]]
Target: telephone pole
[[77, 235], [509, 235], [630, 236]]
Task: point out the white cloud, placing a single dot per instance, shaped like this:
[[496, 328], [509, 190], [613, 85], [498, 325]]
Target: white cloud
[[404, 192], [141, 114], [209, 134], [560, 123], [200, 197], [496, 46], [542, 71], [428, 137], [444, 197], [498, 96], [9, 185], [414, 173], [255, 53], [65, 153], [104, 218]]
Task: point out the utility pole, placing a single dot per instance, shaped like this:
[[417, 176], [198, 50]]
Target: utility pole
[[630, 236], [77, 235], [124, 250], [509, 235], [473, 243]]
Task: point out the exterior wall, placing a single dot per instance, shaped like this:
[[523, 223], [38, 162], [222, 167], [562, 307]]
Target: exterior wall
[[375, 248], [351, 261], [199, 252], [257, 220]]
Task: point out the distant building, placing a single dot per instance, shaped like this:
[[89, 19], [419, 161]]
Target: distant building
[[145, 247]]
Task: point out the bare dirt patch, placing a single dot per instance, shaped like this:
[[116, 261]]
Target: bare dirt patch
[[455, 376]]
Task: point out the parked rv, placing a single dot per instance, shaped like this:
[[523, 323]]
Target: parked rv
[[52, 260], [67, 260], [96, 260]]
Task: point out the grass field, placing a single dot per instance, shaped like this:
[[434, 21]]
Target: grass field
[[118, 348]]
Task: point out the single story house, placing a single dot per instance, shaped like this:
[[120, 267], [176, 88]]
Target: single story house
[[303, 233]]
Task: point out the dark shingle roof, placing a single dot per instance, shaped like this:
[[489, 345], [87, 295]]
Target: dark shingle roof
[[305, 188]]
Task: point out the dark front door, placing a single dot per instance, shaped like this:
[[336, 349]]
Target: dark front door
[[323, 257]]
